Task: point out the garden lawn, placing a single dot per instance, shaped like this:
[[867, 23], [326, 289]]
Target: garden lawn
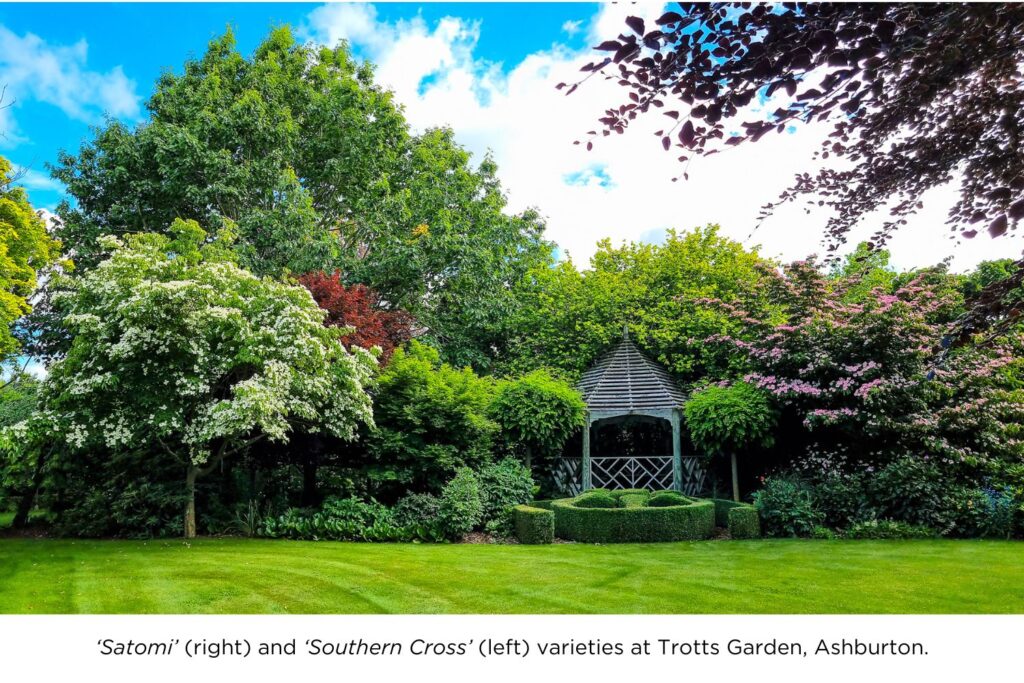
[[260, 576]]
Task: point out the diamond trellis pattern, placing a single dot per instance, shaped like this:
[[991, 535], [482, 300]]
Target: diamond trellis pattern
[[645, 472], [651, 472]]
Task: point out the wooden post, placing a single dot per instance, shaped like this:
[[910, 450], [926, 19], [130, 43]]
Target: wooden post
[[585, 465], [677, 453]]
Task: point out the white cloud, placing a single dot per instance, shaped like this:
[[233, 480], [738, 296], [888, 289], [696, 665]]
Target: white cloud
[[58, 75], [623, 188], [571, 27]]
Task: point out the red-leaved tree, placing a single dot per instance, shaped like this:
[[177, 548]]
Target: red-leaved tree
[[359, 307]]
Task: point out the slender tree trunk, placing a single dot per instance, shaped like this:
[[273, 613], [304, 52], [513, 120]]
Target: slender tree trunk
[[529, 459], [190, 504], [735, 479], [28, 500]]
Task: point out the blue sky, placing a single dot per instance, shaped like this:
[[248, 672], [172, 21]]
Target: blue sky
[[488, 70], [142, 40]]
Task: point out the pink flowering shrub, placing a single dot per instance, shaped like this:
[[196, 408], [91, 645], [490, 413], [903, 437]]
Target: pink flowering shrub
[[859, 385]]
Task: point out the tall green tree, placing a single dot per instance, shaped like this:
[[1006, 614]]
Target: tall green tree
[[25, 249], [316, 168], [662, 292]]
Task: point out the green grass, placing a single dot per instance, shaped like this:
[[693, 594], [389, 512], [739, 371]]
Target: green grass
[[257, 576]]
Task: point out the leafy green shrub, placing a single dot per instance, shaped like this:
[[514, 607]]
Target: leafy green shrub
[[663, 499], [843, 499], [537, 413], [981, 513], [461, 508], [786, 505], [888, 529], [913, 490], [503, 485], [338, 519], [431, 419], [533, 525], [633, 500], [692, 521], [596, 499], [743, 522], [419, 515], [823, 533]]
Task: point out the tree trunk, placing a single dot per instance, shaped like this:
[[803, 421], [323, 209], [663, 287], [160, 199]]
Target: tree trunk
[[735, 480], [190, 505], [529, 459], [28, 500]]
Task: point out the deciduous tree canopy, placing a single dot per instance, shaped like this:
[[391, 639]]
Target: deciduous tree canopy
[[917, 95]]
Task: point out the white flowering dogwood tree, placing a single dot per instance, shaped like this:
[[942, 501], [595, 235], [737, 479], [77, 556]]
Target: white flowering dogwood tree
[[178, 348]]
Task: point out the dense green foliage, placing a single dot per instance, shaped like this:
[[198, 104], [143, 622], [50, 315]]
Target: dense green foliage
[[727, 419], [26, 248], [908, 491], [503, 485], [534, 526], [537, 414], [787, 507], [662, 292], [744, 522], [317, 169], [431, 419]]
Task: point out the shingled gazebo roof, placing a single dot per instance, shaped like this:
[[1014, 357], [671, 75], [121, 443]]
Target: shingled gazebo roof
[[624, 379]]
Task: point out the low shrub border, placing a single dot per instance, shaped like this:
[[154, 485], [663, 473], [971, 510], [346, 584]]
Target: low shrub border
[[744, 522], [741, 519], [534, 525], [694, 520]]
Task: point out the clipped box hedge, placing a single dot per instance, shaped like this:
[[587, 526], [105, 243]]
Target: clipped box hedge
[[744, 522], [693, 520], [534, 525], [741, 519]]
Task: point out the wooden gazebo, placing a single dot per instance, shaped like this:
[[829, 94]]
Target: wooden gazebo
[[623, 383]]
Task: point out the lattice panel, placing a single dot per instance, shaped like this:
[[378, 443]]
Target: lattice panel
[[693, 476], [648, 472], [652, 472], [568, 476]]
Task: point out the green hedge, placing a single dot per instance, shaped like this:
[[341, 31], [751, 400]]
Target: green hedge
[[722, 507], [633, 500], [663, 499], [741, 519], [744, 522], [691, 521], [542, 504], [533, 525]]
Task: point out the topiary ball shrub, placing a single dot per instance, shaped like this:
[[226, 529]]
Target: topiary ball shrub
[[596, 499], [663, 499], [534, 526], [692, 520], [744, 522]]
